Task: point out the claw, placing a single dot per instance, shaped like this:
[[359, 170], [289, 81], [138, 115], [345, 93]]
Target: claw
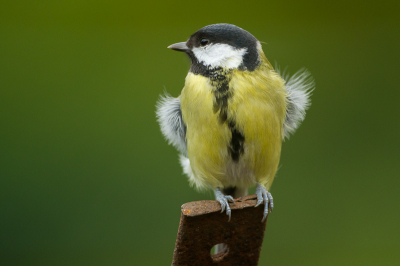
[[230, 198], [264, 196], [223, 200], [271, 202], [222, 207], [259, 201]]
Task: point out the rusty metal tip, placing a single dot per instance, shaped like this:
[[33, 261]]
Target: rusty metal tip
[[202, 226]]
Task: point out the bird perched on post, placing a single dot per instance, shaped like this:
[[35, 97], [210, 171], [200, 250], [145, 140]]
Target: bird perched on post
[[233, 114]]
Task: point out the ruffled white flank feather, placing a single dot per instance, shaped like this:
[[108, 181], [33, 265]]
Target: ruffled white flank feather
[[299, 88], [170, 118]]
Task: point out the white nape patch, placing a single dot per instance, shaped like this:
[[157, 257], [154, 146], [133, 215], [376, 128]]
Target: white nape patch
[[299, 88], [259, 47], [170, 119], [220, 55]]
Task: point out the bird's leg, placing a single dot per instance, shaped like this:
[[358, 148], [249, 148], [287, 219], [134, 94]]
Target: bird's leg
[[223, 200], [264, 196]]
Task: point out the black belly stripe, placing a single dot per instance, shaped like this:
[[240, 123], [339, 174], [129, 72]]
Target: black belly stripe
[[220, 79], [237, 142]]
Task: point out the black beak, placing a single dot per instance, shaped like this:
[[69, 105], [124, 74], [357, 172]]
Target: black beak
[[180, 46]]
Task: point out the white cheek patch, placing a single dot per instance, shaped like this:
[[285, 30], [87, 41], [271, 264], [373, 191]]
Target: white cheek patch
[[220, 55]]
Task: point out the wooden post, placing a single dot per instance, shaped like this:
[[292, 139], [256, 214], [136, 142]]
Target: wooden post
[[202, 226]]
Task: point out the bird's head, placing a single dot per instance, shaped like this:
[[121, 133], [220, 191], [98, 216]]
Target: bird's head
[[221, 46]]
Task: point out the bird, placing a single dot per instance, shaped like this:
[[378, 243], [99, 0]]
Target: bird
[[233, 114]]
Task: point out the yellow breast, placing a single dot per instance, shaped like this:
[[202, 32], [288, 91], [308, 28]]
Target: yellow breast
[[257, 106]]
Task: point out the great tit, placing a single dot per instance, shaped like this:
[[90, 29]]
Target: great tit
[[233, 114]]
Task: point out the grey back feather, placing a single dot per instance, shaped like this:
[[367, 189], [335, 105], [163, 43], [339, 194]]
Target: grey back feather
[[169, 117], [299, 88]]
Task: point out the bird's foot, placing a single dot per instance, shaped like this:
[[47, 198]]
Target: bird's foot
[[264, 196], [223, 200]]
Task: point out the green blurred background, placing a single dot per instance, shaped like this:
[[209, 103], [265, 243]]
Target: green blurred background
[[87, 179]]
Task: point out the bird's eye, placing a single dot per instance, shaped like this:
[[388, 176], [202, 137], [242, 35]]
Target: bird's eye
[[204, 42]]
